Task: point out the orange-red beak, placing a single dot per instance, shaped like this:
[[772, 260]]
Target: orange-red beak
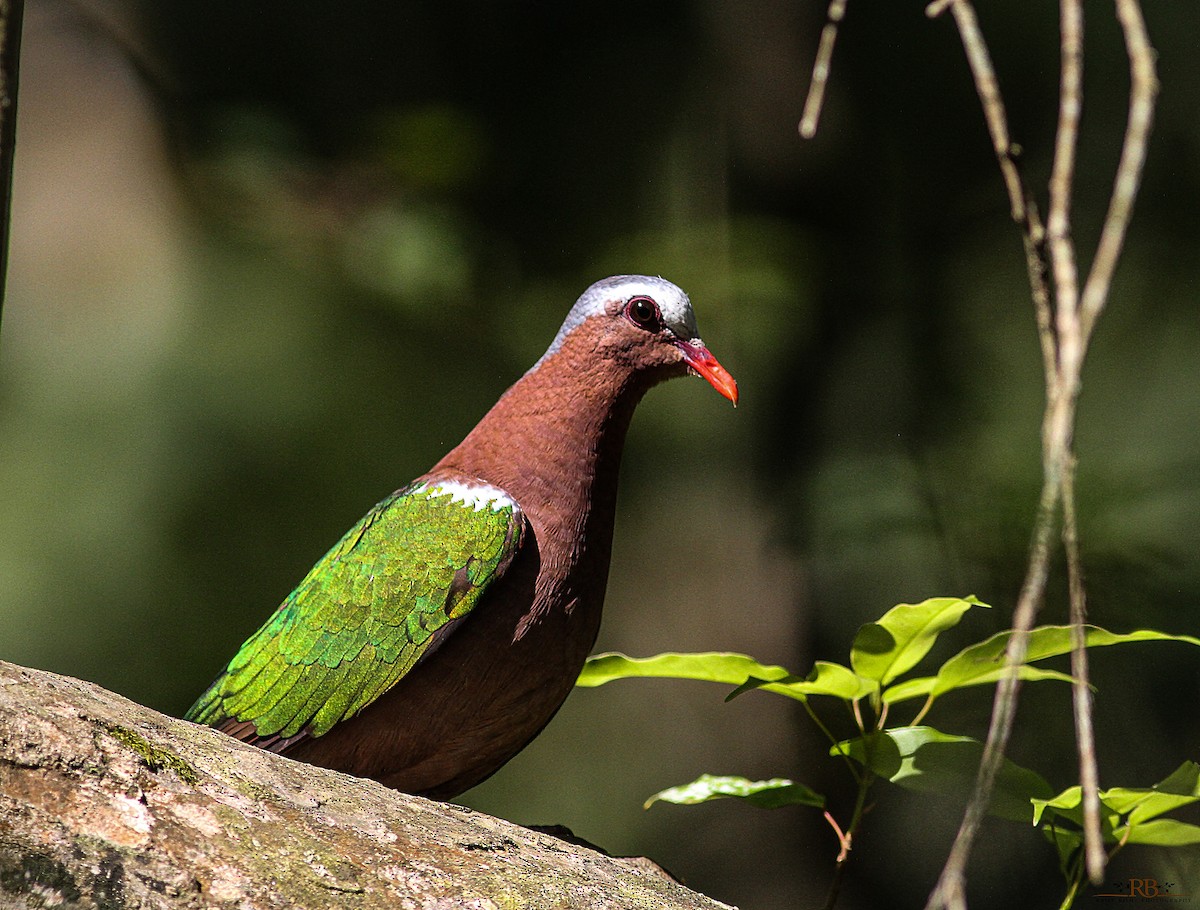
[[697, 356]]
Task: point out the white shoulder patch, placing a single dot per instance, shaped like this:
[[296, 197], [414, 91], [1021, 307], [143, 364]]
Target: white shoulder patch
[[478, 496]]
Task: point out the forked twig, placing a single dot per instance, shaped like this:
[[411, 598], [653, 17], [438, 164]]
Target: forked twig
[[844, 839], [1064, 330], [1065, 320]]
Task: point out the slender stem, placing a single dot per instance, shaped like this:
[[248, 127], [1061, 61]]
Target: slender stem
[[847, 840], [865, 780], [821, 65], [920, 716], [1075, 880], [833, 741]]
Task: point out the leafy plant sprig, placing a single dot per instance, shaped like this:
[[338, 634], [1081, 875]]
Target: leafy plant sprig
[[916, 756]]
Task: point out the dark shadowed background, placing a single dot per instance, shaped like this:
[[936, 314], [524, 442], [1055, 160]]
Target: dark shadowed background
[[271, 260]]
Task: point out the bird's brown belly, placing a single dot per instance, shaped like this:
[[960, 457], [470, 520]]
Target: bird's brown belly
[[473, 704]]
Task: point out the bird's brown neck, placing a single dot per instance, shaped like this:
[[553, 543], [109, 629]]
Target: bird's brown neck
[[553, 442]]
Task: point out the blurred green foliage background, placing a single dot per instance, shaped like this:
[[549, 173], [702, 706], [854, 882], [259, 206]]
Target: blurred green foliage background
[[271, 260]]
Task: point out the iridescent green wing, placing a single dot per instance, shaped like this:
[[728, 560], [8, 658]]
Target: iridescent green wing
[[381, 598]]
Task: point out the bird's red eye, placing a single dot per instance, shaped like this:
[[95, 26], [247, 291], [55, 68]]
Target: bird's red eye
[[643, 312]]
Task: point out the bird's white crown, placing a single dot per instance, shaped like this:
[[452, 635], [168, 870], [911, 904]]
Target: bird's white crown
[[672, 302]]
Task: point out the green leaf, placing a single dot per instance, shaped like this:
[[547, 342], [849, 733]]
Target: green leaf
[[884, 650], [984, 662], [1133, 812], [1185, 779], [766, 794], [1065, 804], [922, 686], [1181, 788], [826, 678], [928, 761], [1162, 832], [1144, 805], [712, 666]]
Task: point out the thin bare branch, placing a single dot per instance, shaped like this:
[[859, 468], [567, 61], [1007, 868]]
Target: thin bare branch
[[1095, 855], [1021, 203], [988, 87], [1064, 330], [1065, 320], [1142, 94], [1062, 175], [1143, 89], [1043, 312], [12, 13], [1071, 345], [821, 66], [950, 891], [1075, 330]]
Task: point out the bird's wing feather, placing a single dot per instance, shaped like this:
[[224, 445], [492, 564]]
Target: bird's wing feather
[[383, 597]]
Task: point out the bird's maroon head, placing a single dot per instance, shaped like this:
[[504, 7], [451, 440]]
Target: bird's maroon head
[[647, 324]]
